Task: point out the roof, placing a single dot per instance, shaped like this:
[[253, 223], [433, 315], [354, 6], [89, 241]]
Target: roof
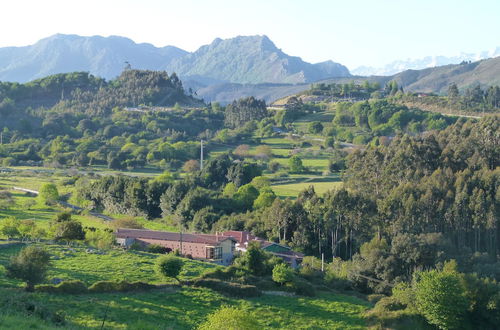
[[170, 236], [240, 236], [280, 250], [243, 237]]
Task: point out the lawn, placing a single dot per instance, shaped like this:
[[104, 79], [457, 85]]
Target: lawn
[[166, 308], [293, 189], [186, 307], [181, 308], [80, 263]]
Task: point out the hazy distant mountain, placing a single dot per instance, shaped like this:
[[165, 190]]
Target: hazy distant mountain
[[104, 57], [423, 63], [252, 59]]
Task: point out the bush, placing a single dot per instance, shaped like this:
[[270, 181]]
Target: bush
[[121, 286], [155, 248], [169, 266], [375, 298], [48, 194], [229, 288], [389, 304], [282, 274], [230, 318], [441, 298], [129, 223], [221, 274], [265, 284], [70, 287], [30, 265], [360, 139], [301, 287], [25, 305]]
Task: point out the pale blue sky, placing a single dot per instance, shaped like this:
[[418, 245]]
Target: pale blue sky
[[353, 33]]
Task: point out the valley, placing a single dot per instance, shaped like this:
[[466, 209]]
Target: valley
[[234, 186]]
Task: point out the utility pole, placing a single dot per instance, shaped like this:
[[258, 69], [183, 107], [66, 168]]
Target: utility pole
[[322, 262], [201, 155], [181, 241]]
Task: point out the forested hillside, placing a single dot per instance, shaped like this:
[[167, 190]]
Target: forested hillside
[[394, 199]]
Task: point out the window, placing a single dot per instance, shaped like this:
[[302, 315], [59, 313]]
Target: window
[[214, 252], [218, 252]]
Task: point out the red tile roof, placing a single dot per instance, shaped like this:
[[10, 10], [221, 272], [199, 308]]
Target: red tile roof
[[170, 236], [241, 236]]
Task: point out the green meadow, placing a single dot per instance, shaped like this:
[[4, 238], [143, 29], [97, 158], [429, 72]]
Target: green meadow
[[182, 307]]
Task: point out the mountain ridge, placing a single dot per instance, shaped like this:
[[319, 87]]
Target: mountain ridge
[[398, 66], [242, 59]]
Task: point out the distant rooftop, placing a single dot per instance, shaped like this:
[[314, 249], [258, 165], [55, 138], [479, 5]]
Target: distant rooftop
[[171, 236]]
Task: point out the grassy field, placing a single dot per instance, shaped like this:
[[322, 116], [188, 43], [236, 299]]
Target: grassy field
[[187, 307], [168, 308], [43, 214], [80, 263], [293, 189]]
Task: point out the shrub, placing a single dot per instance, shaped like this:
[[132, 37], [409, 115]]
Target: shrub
[[156, 248], [265, 284], [69, 287], [100, 239], [103, 287], [48, 194], [302, 287], [229, 288], [30, 265], [440, 298], [282, 274], [389, 304], [220, 274], [230, 318], [375, 298], [295, 164], [25, 305], [254, 260], [169, 266], [121, 286], [130, 223], [315, 127]]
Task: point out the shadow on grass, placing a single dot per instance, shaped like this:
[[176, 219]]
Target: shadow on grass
[[326, 311], [155, 309]]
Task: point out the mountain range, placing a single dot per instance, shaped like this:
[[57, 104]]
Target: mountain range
[[423, 63], [232, 68], [243, 59]]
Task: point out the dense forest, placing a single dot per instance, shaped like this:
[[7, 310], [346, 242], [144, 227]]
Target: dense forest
[[441, 188]]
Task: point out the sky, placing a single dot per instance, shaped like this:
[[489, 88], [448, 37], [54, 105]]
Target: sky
[[351, 32]]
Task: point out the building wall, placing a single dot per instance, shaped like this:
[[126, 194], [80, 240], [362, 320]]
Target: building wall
[[227, 252], [126, 242], [197, 250]]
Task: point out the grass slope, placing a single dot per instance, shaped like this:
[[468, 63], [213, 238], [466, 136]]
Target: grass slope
[[165, 308]]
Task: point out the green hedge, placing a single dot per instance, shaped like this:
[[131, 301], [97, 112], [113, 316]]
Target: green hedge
[[72, 287], [121, 286], [229, 288], [301, 287], [76, 287]]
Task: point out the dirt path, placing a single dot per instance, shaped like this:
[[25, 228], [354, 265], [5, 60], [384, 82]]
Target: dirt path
[[66, 204]]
